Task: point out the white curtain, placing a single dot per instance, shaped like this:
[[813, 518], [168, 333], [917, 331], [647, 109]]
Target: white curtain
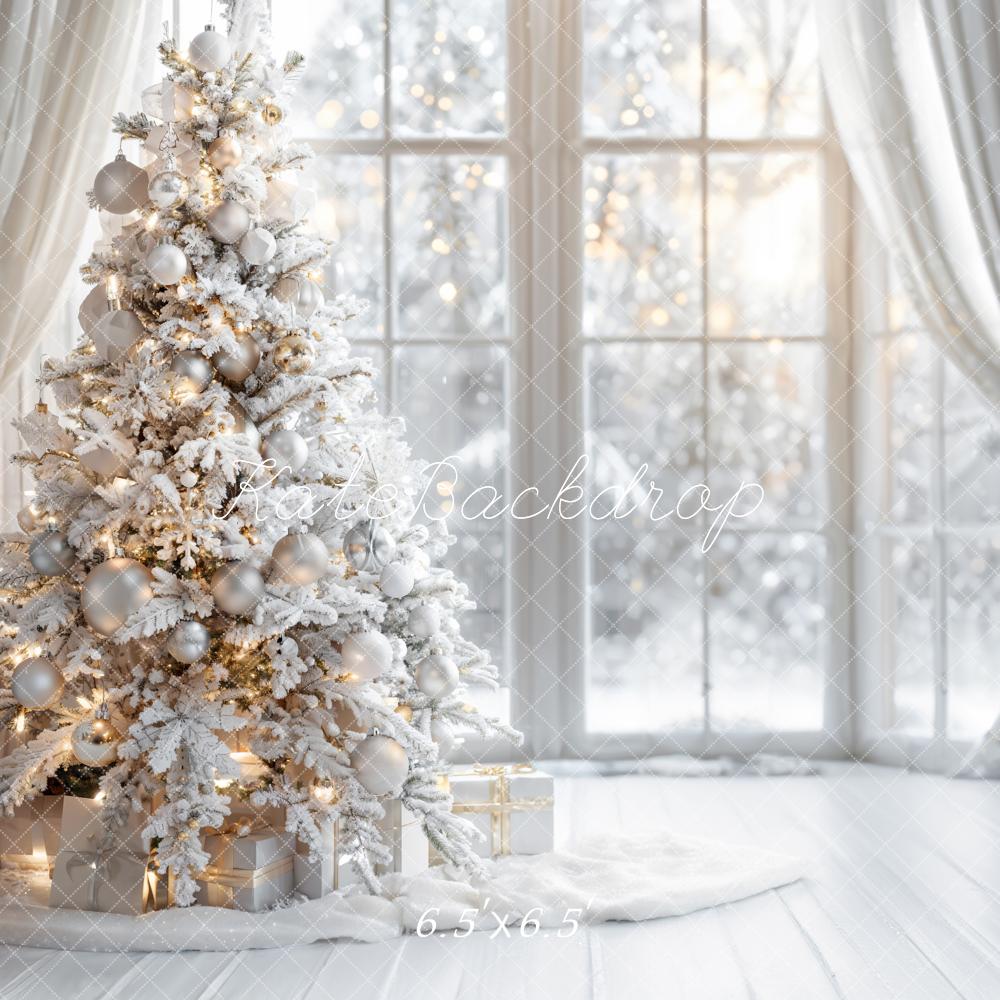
[[915, 95], [64, 67]]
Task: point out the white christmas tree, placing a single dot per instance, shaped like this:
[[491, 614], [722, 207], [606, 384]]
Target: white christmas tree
[[224, 550]]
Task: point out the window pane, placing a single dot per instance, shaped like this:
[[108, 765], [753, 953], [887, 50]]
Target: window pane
[[906, 370], [340, 93], [766, 625], [349, 214], [973, 635], [763, 69], [642, 67], [479, 560], [907, 634], [449, 234], [765, 255], [645, 625], [642, 230], [453, 400], [766, 427], [448, 67], [972, 453], [645, 406]]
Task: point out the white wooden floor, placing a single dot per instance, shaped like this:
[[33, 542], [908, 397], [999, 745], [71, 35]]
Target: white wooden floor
[[903, 902]]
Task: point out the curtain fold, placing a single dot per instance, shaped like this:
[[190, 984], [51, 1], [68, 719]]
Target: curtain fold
[[915, 108]]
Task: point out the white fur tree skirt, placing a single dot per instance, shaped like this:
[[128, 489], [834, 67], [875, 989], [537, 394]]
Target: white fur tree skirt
[[620, 878]]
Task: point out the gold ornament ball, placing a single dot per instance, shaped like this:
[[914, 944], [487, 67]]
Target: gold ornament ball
[[226, 151], [95, 743], [405, 712], [271, 114], [294, 354]]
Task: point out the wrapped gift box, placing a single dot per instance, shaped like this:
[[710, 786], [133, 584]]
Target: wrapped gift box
[[512, 806], [334, 869], [249, 871], [30, 838], [91, 873]]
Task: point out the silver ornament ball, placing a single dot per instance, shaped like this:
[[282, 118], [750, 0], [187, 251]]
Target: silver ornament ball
[[188, 642], [300, 559], [436, 676], [115, 332], [236, 367], [104, 462], [167, 189], [424, 621], [112, 592], [226, 151], [228, 222], [258, 246], [368, 547], [51, 554], [366, 655], [380, 764], [209, 50], [92, 308], [396, 580], [294, 354], [286, 288], [237, 587], [95, 743], [120, 186], [36, 683], [287, 449], [194, 371], [166, 264]]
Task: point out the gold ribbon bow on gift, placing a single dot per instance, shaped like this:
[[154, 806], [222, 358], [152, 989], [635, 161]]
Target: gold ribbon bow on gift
[[103, 864], [500, 806]]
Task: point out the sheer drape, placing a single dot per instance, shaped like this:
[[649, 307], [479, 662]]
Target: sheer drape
[[64, 67], [915, 98]]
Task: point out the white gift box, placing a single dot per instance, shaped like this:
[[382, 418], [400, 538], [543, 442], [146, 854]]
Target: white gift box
[[512, 806], [93, 872], [248, 871], [30, 838]]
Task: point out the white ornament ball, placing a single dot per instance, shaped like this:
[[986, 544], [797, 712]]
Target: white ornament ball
[[436, 675], [167, 189], [258, 246], [366, 655], [294, 354], [112, 592], [237, 366], [287, 449], [189, 478], [209, 50], [424, 621], [36, 683], [300, 559], [226, 151], [120, 186], [396, 580], [242, 424], [30, 518], [194, 370], [286, 288], [115, 332], [237, 588], [166, 264], [308, 299], [228, 222], [368, 546], [93, 307], [380, 764], [51, 554], [188, 642], [104, 462], [95, 743]]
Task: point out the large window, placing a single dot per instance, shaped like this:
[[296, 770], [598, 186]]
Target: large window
[[622, 229]]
